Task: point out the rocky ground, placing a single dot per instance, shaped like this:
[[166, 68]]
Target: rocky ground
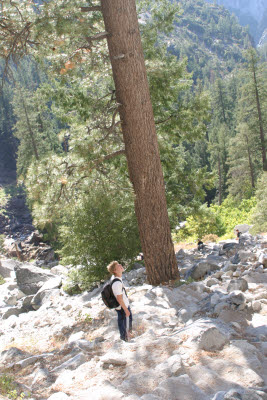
[[204, 340], [21, 239]]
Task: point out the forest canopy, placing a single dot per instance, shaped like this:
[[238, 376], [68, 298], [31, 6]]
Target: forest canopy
[[59, 108]]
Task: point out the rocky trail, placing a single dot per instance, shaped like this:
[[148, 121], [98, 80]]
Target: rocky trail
[[204, 340]]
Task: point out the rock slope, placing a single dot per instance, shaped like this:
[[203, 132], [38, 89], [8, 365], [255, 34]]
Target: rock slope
[[204, 340]]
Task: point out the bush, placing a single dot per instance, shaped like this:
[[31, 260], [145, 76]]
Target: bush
[[2, 239], [8, 388], [2, 281], [259, 217], [233, 212], [101, 228], [210, 238], [4, 197], [220, 220], [204, 223]]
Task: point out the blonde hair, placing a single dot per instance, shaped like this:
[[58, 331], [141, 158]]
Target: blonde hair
[[112, 266]]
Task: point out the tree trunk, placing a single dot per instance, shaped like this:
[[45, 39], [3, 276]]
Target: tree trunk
[[251, 169], [139, 133], [263, 149], [220, 180], [34, 146]]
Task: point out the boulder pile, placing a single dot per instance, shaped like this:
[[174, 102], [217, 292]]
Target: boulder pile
[[203, 338]]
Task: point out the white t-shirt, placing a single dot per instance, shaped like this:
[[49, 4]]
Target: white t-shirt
[[117, 289]]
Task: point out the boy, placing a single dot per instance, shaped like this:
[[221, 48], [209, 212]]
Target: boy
[[123, 311]]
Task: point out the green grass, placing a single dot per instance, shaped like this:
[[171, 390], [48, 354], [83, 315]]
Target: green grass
[[8, 388]]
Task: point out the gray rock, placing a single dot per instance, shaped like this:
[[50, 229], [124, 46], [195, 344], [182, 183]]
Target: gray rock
[[219, 396], [182, 388], [205, 335], [243, 228], [144, 382], [246, 256], [46, 291], [201, 269], [40, 376], [11, 311], [31, 278], [113, 358], [59, 396], [229, 249], [262, 260], [212, 281], [12, 355], [237, 284], [59, 270], [180, 254], [235, 259], [173, 366], [7, 267], [236, 297], [73, 363], [26, 362], [229, 266], [26, 303], [256, 306]]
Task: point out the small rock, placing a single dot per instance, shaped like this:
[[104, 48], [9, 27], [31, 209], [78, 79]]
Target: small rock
[[237, 284], [256, 306]]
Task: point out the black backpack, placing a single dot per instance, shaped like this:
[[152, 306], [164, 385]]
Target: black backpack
[[107, 294]]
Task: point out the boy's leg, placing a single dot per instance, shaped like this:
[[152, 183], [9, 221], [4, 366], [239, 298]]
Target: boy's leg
[[130, 321], [122, 324]]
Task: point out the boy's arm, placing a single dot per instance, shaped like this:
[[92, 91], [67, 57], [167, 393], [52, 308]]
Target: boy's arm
[[122, 304]]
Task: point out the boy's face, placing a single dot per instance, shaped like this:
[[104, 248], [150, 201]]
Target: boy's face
[[118, 270]]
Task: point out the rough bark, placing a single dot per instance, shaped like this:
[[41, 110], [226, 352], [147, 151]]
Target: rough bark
[[220, 179], [251, 169], [139, 133], [34, 146], [262, 139]]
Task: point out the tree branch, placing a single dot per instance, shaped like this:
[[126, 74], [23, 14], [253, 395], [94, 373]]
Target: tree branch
[[164, 120], [98, 36], [91, 8]]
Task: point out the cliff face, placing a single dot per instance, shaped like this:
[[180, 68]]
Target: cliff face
[[255, 8], [249, 12]]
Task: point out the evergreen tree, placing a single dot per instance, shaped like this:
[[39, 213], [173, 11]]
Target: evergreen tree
[[244, 163], [253, 102], [35, 128]]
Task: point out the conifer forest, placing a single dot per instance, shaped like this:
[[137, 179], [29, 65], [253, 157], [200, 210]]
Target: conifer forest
[[131, 126]]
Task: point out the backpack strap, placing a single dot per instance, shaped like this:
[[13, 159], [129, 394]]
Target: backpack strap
[[116, 280]]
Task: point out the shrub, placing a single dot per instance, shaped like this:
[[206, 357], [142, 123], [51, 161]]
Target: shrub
[[8, 388], [3, 200], [259, 217], [232, 212], [1, 280], [210, 238], [99, 229], [205, 222]]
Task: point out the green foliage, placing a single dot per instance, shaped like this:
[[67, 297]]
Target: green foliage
[[204, 223], [4, 197], [2, 281], [179, 283], [259, 217], [233, 212], [210, 37], [101, 228], [9, 389], [217, 220], [210, 238]]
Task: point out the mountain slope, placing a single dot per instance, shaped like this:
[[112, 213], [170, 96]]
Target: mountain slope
[[210, 37], [249, 12]]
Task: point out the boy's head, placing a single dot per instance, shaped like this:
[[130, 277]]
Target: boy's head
[[114, 268]]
